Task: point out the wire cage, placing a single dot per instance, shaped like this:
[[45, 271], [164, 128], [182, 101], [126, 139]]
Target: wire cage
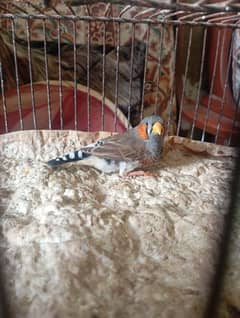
[[103, 66]]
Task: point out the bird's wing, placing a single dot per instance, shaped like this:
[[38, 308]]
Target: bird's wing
[[125, 147]]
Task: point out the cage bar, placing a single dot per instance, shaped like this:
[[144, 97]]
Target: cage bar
[[60, 74], [75, 106], [223, 102], [211, 88], [145, 69], [184, 81], [159, 66], [17, 75], [88, 74], [47, 75], [103, 73], [31, 75], [152, 14], [117, 75], [131, 74], [3, 99], [200, 83]]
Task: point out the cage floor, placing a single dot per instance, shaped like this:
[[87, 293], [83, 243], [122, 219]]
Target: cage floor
[[78, 243]]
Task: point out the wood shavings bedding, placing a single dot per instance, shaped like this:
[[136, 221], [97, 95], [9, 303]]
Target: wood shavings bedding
[[78, 243]]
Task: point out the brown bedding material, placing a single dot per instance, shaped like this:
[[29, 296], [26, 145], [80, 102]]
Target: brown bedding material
[[78, 243]]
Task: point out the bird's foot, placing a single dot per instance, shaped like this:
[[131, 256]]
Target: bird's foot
[[141, 173]]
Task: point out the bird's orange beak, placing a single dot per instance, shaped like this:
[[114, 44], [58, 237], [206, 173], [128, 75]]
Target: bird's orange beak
[[158, 128]]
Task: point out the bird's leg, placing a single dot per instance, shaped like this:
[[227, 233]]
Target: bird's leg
[[140, 173]]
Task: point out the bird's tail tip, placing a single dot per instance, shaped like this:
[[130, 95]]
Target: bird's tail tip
[[53, 163], [70, 157]]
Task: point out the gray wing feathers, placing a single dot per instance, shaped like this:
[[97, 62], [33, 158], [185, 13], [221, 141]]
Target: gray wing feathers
[[120, 147]]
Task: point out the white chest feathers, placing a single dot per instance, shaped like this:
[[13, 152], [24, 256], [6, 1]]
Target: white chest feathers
[[109, 166]]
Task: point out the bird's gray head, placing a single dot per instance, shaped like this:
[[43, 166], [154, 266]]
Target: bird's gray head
[[151, 126], [151, 131]]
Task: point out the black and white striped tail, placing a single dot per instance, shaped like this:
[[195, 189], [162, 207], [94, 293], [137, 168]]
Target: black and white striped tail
[[70, 157]]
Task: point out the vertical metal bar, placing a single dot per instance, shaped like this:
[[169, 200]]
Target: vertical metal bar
[[75, 106], [185, 81], [145, 69], [17, 75], [211, 87], [47, 76], [30, 75], [131, 74], [200, 83], [88, 76], [3, 99], [225, 87], [117, 76], [173, 82], [161, 37], [103, 74], [60, 74]]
